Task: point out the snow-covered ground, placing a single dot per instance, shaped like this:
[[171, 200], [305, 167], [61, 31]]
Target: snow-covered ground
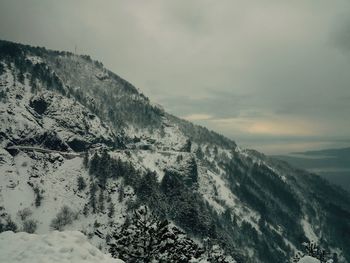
[[62, 247], [308, 259], [309, 232]]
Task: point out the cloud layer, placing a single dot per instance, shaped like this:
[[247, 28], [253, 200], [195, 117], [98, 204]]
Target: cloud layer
[[248, 69]]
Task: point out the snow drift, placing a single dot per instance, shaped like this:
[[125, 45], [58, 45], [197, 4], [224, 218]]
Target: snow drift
[[308, 259], [62, 247]]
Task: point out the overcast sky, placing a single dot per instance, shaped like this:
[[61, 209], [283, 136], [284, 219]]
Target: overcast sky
[[272, 75]]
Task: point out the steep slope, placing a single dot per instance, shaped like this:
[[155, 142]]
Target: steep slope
[[65, 117]]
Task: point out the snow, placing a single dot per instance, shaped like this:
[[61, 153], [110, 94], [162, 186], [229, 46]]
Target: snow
[[35, 59], [223, 190], [62, 247], [170, 140], [308, 259], [309, 233], [58, 179], [215, 190]]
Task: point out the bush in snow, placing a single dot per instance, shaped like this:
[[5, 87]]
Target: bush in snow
[[81, 183], [11, 226], [29, 226], [24, 213], [7, 224], [111, 210], [64, 217], [38, 196]]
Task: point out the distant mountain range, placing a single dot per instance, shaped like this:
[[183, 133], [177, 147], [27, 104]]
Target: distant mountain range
[[331, 164]]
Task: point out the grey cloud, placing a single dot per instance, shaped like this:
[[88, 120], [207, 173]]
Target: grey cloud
[[340, 37], [218, 105], [229, 59]]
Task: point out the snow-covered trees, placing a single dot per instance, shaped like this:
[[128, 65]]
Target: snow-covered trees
[[6, 223], [111, 210], [38, 196], [81, 183], [214, 253], [93, 189], [313, 250], [144, 238], [134, 241]]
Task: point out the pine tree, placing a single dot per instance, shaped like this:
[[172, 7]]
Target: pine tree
[[215, 150], [38, 196], [81, 183], [121, 193], [101, 204], [86, 160], [20, 77], [111, 210], [33, 84], [144, 238], [86, 210], [199, 153], [93, 189], [133, 243]]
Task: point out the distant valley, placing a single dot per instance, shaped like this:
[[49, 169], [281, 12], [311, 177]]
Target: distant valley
[[331, 164]]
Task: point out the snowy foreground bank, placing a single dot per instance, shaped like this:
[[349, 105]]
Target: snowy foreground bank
[[62, 247], [59, 247], [308, 259]]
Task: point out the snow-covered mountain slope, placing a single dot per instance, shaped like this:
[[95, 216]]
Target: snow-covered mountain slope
[[60, 247], [78, 140]]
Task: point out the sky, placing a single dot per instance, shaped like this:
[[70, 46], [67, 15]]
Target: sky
[[273, 75]]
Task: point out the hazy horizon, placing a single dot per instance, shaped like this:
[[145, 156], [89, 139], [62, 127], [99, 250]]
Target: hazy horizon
[[272, 76]]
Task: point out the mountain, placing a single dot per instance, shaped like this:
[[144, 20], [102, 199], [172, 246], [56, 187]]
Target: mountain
[[340, 152], [331, 164], [83, 149]]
